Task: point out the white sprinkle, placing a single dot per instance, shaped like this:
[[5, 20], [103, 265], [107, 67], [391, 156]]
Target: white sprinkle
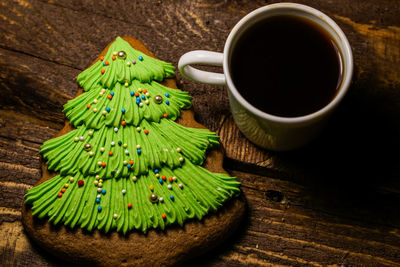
[[126, 152], [115, 129], [112, 143], [169, 186], [99, 189], [81, 138], [180, 185], [161, 199], [95, 101], [137, 146], [123, 191]]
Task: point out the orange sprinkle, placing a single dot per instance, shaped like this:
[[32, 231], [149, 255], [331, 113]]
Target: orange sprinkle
[[109, 96], [129, 205], [123, 122], [146, 131], [131, 162], [165, 115], [103, 71], [164, 177], [113, 57], [101, 58], [106, 63], [88, 106], [63, 190], [163, 216], [110, 154], [145, 91], [59, 194], [103, 164], [170, 179], [136, 94]]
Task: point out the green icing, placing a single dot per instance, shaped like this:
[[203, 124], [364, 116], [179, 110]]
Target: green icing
[[99, 99], [117, 71], [158, 148], [202, 191], [102, 153]]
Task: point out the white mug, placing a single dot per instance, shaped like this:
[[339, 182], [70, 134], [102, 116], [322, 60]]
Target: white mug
[[263, 129]]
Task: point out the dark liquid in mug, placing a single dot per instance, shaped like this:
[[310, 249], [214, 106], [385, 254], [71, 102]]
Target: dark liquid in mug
[[286, 66]]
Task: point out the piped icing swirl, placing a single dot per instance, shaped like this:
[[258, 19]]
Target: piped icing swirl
[[128, 165]]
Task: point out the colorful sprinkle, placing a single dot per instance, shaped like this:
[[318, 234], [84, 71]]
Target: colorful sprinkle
[[169, 187], [123, 110], [164, 216], [88, 106], [132, 93], [103, 71], [140, 58], [103, 191], [123, 191], [81, 183], [170, 179], [59, 194], [172, 197], [164, 177], [180, 185], [161, 181], [129, 205], [167, 102], [161, 199], [101, 58], [139, 151], [112, 93], [99, 208], [166, 94], [103, 164], [156, 170], [110, 153], [109, 96], [131, 162], [134, 178], [136, 94], [151, 187], [63, 190], [165, 115], [123, 123], [146, 131], [97, 200], [113, 57]]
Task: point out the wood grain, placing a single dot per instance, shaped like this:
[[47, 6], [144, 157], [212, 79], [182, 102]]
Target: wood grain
[[348, 178]]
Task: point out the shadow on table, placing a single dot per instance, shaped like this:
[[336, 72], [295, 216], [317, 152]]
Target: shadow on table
[[353, 167]]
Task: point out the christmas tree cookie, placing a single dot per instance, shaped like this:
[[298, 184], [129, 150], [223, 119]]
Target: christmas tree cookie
[[127, 165]]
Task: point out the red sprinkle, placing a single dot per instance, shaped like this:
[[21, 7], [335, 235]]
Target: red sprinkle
[[136, 94], [165, 115], [131, 162], [88, 106], [129, 205], [146, 131], [113, 57], [170, 179], [63, 190], [59, 194], [164, 177], [101, 58], [81, 182], [103, 71], [110, 154], [103, 164], [123, 122], [164, 216]]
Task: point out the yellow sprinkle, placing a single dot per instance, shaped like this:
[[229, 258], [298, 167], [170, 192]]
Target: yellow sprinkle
[[151, 187]]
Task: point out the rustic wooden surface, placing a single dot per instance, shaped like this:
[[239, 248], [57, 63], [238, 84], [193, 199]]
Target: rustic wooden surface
[[335, 202]]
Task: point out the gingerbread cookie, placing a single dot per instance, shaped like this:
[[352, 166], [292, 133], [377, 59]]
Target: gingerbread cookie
[[129, 175]]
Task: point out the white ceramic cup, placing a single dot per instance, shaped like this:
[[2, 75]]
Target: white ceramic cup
[[263, 129]]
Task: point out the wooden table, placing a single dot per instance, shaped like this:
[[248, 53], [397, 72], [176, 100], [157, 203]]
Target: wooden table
[[335, 202]]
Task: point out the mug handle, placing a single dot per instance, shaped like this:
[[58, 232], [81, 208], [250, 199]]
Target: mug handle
[[202, 57]]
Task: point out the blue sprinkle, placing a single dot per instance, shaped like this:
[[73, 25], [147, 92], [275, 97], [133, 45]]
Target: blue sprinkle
[[103, 191], [132, 93], [138, 98], [120, 143], [167, 102], [112, 93], [108, 109], [97, 200], [104, 63], [171, 197], [139, 151], [99, 208], [161, 181], [143, 96], [123, 110], [156, 171], [166, 94], [141, 58], [128, 166]]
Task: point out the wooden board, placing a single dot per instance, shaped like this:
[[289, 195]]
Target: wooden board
[[343, 189]]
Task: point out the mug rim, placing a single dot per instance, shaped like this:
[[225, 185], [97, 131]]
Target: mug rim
[[347, 64]]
